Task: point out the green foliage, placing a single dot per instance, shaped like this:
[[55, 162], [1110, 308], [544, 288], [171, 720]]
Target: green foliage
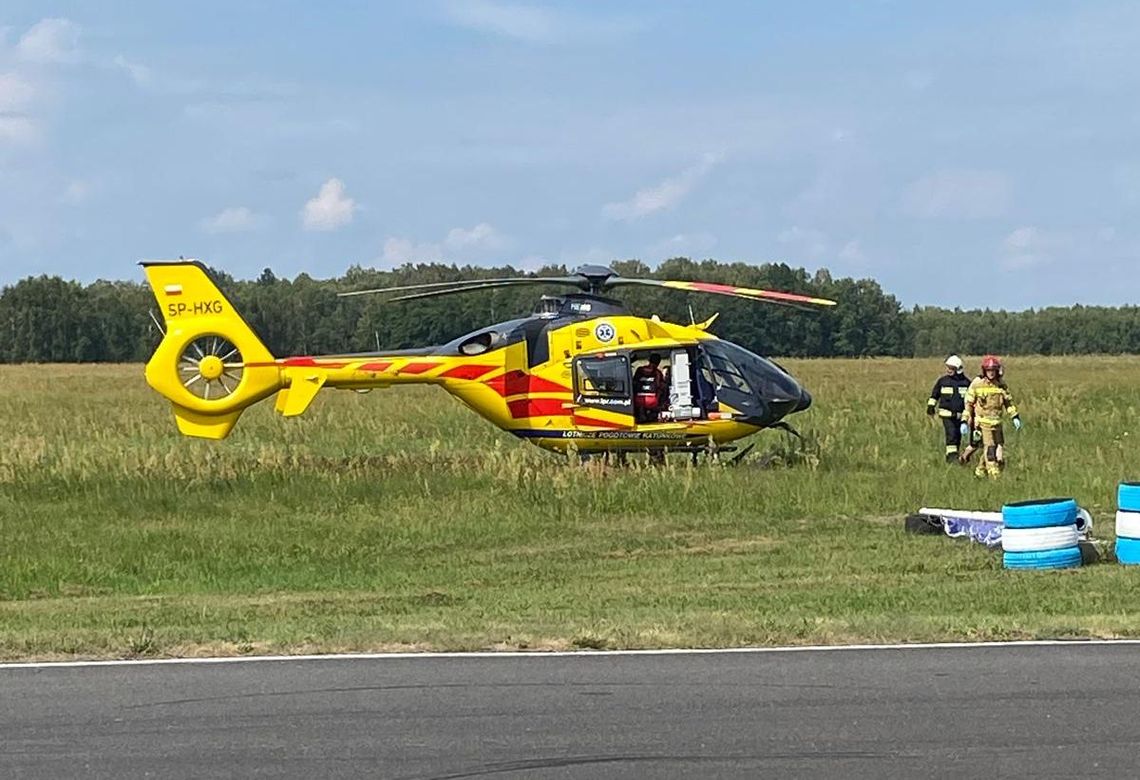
[[1077, 330], [46, 319]]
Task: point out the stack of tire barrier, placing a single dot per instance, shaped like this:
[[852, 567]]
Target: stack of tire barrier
[[1128, 522], [1041, 534]]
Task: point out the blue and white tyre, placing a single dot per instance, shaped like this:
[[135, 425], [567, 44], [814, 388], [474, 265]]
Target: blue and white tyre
[[1128, 496], [1128, 524], [1039, 539], [1127, 550], [1040, 513], [1065, 558]]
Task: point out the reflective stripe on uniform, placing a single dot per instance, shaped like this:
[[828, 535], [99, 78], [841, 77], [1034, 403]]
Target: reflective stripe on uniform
[[948, 390], [945, 413]]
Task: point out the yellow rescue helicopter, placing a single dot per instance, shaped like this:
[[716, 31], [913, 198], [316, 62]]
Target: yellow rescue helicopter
[[579, 373]]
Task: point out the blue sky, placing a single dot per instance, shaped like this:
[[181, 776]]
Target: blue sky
[[967, 154]]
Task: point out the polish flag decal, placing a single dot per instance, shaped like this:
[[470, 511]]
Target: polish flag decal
[[172, 289]]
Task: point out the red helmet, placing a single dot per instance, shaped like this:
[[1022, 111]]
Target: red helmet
[[991, 361]]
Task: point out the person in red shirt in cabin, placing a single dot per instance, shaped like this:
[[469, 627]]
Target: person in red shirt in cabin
[[648, 388]]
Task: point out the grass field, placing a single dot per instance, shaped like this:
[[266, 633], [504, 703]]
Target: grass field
[[399, 520]]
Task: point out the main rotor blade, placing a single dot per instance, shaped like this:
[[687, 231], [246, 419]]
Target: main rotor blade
[[569, 281], [795, 300], [461, 284]]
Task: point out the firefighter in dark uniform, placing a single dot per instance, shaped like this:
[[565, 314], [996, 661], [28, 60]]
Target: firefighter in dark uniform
[[948, 401]]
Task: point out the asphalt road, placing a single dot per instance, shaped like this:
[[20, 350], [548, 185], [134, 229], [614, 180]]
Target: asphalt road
[[1053, 711]]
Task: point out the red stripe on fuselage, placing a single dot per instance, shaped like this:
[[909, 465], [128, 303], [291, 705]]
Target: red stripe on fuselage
[[519, 382], [308, 362], [536, 407], [417, 368], [466, 372], [379, 365], [591, 422]]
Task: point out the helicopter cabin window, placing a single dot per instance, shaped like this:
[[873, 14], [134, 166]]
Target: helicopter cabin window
[[602, 377], [602, 381]]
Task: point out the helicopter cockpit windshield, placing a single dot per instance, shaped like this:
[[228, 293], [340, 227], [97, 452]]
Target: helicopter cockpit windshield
[[748, 382]]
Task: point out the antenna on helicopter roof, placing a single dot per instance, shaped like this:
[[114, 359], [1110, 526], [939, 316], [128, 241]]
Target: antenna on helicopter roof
[[692, 319]]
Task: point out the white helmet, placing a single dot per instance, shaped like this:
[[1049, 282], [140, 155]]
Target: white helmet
[[954, 362]]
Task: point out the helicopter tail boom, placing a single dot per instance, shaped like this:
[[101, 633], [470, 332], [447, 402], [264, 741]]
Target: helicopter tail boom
[[210, 364]]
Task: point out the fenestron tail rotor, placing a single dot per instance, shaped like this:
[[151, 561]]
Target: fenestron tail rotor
[[211, 367], [210, 363]]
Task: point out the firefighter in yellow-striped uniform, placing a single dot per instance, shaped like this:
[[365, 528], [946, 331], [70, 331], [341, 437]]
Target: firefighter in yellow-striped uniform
[[987, 398], [948, 400]]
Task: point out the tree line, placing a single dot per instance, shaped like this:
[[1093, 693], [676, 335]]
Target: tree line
[[49, 319]]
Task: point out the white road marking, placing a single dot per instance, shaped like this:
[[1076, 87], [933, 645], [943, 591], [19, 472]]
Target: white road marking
[[566, 653]]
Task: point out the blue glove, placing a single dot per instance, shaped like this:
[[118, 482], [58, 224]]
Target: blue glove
[[1017, 423], [965, 429]]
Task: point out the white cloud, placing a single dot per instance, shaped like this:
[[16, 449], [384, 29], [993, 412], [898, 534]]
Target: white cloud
[[918, 80], [807, 242], [15, 93], [533, 24], [75, 192], [460, 243], [398, 251], [1029, 246], [17, 130], [236, 219], [1022, 238], [522, 22], [141, 75], [958, 194], [665, 195], [480, 237], [330, 209], [683, 245], [50, 41]]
